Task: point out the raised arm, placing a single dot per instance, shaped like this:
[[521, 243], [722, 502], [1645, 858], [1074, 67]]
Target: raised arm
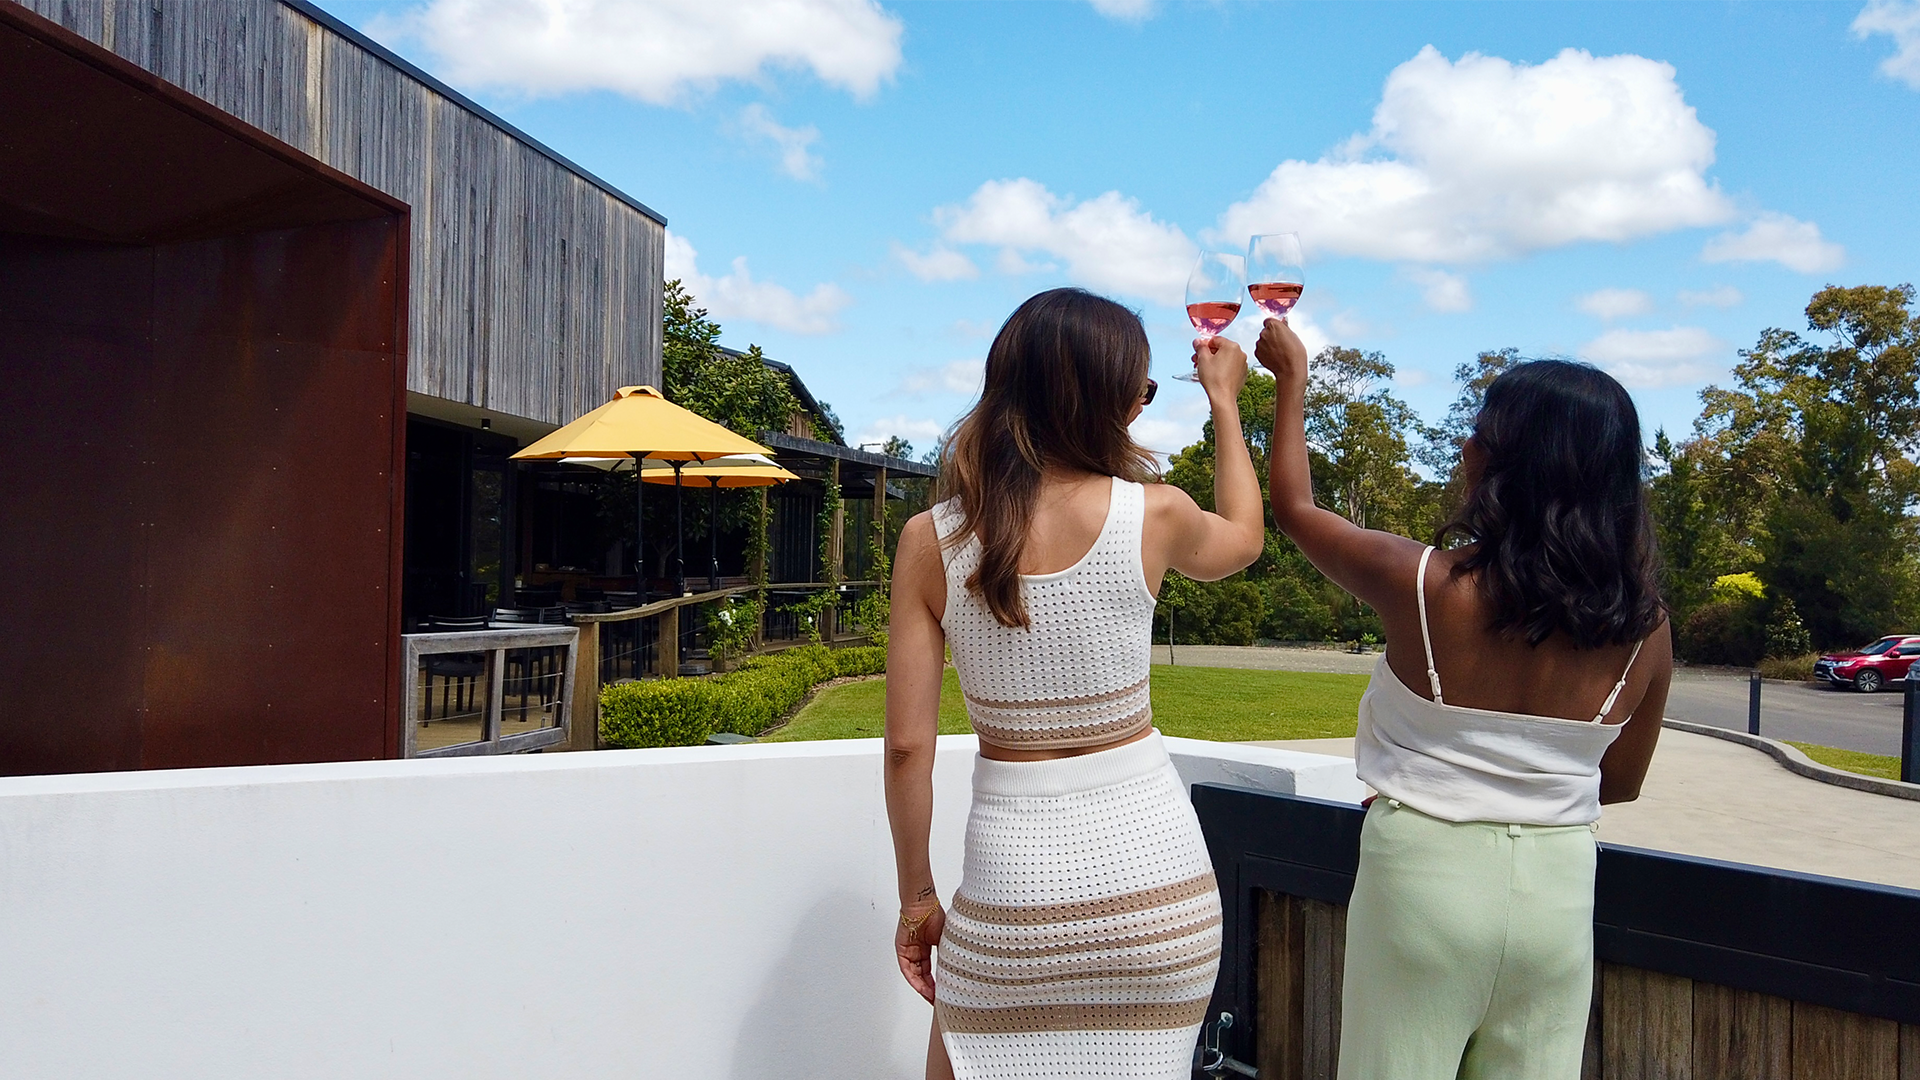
[[1209, 546], [916, 659], [1372, 565]]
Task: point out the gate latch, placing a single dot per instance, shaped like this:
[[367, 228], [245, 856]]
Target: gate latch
[[1214, 1061]]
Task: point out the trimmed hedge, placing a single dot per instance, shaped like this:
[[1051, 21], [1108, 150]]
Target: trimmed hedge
[[683, 712]]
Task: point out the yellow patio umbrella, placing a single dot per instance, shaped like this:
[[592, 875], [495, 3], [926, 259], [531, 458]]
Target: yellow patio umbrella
[[733, 471], [640, 423]]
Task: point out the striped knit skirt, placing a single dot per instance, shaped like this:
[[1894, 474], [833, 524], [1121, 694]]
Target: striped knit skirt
[[1085, 935]]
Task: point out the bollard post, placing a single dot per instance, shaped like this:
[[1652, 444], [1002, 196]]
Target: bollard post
[[1753, 704], [1910, 730]]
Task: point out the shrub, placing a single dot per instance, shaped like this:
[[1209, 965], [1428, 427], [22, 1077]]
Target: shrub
[[1737, 588], [1786, 635], [1792, 668], [683, 712], [1722, 632], [665, 712], [864, 660]]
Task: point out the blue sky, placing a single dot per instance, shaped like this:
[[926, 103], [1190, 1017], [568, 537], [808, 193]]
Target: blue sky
[[866, 190]]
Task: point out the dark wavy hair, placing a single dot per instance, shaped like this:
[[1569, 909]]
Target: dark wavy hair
[[1063, 375], [1560, 533]]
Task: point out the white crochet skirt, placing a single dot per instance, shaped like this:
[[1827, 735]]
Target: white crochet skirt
[[1085, 935]]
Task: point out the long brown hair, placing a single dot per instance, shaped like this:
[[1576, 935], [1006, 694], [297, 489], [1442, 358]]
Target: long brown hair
[[1063, 375]]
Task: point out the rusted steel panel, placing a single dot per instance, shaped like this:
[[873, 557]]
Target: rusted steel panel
[[204, 347]]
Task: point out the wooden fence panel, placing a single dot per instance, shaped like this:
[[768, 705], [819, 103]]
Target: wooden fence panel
[[1832, 1045], [1646, 1024], [1741, 1035], [1324, 940], [1280, 960]]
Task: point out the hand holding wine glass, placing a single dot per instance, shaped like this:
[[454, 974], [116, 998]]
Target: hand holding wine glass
[[1281, 351], [1220, 367], [1213, 297]]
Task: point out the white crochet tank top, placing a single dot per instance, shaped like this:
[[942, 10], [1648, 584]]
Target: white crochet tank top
[[1078, 676]]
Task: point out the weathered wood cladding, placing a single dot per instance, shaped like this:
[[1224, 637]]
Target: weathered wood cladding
[[534, 291]]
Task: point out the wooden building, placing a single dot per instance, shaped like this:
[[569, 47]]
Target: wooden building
[[261, 277]]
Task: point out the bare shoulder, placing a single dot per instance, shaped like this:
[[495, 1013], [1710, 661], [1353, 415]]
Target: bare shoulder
[[1164, 499], [918, 539]]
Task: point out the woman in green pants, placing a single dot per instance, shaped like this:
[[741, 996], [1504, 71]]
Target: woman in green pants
[[1470, 933]]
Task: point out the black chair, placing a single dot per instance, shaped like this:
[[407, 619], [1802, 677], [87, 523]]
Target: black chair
[[537, 663], [459, 670], [537, 596]]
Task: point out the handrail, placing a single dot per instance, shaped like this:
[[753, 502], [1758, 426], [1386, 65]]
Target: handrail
[[660, 607], [494, 644]]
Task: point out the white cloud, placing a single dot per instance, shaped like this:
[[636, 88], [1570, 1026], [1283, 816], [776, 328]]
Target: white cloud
[[959, 377], [1613, 304], [797, 158], [1484, 159], [920, 431], [1899, 20], [1441, 290], [1125, 10], [736, 295], [941, 263], [1174, 421], [1654, 358], [1107, 243], [1773, 237], [1349, 326], [1720, 296], [1411, 377], [653, 50]]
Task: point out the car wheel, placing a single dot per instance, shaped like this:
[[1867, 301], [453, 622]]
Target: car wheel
[[1868, 681]]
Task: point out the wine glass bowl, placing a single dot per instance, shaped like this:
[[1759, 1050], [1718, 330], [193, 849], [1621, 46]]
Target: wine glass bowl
[[1214, 290], [1276, 273]]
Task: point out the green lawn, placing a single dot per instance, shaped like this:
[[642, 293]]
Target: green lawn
[[1853, 761], [1223, 704]]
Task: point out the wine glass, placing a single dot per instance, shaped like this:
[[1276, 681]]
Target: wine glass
[[1213, 296], [1276, 273]]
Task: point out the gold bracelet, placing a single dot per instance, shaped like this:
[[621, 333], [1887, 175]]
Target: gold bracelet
[[913, 925]]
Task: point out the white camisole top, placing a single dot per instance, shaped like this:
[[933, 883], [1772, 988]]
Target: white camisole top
[[1078, 675], [1461, 764]]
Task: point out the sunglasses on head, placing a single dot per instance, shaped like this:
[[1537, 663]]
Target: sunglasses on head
[[1152, 389]]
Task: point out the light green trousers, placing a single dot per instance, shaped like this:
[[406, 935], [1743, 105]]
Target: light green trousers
[[1469, 950]]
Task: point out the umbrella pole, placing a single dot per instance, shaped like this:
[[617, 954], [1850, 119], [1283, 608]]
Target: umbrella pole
[[639, 534], [679, 532], [713, 535]]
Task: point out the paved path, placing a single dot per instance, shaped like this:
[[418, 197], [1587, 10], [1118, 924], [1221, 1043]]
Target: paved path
[[1712, 798], [1792, 711]]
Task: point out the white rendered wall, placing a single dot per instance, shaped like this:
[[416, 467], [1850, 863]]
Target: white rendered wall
[[701, 912]]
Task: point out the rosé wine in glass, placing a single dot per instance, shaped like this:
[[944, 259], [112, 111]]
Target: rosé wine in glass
[[1276, 273], [1276, 298], [1212, 316]]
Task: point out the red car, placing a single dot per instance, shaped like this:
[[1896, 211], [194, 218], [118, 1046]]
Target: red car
[[1870, 668]]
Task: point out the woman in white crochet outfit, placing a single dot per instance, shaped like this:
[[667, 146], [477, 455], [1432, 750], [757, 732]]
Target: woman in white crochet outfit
[[1084, 936], [1534, 696]]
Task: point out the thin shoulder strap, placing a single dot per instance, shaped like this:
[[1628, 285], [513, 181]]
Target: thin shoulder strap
[[1622, 684], [1426, 637]]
